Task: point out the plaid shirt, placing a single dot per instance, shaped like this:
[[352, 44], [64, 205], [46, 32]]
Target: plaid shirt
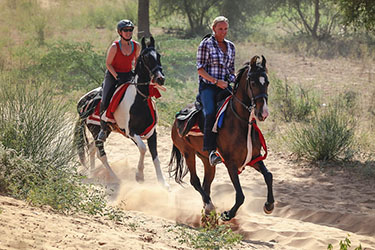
[[214, 61]]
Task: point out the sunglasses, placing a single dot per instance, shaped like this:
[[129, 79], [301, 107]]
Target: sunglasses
[[128, 30]]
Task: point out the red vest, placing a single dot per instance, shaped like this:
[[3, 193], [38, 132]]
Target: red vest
[[122, 63]]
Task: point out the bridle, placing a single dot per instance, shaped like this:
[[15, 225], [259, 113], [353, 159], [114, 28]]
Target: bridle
[[141, 60], [253, 98]]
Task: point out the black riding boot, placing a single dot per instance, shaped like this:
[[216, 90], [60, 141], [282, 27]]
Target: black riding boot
[[209, 140], [103, 133]]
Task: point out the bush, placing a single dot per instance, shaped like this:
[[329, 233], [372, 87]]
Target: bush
[[329, 136], [211, 236], [37, 158], [72, 65], [292, 104]]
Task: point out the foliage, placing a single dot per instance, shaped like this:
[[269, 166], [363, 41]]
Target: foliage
[[37, 158], [329, 136], [317, 18], [360, 13], [72, 65], [344, 245], [211, 236], [291, 103], [197, 12]]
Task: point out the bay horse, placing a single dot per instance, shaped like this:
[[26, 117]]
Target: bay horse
[[135, 116], [237, 141]]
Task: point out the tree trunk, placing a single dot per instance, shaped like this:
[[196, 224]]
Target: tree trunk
[[143, 19]]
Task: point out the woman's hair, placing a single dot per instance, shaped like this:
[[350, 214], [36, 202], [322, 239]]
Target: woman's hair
[[218, 20]]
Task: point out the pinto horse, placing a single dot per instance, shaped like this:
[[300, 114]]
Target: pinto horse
[[135, 116], [238, 143]]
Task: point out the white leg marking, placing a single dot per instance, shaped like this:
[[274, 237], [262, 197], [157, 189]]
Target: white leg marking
[[159, 173], [142, 151]]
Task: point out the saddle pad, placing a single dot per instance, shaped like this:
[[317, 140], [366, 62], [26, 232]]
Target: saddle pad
[[115, 101], [220, 115], [108, 114]]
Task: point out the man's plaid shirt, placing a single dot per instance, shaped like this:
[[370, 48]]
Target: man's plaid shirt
[[216, 63]]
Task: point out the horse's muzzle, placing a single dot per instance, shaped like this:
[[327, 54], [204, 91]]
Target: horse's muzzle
[[158, 78]]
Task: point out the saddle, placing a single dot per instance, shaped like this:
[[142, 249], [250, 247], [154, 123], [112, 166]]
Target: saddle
[[191, 117], [187, 118]]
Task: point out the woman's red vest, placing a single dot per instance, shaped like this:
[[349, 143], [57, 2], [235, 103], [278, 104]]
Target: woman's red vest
[[122, 63]]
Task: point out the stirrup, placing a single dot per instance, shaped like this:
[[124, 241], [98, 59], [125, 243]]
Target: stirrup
[[102, 136], [214, 158]]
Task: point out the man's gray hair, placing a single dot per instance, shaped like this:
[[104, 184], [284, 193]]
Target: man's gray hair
[[219, 19]]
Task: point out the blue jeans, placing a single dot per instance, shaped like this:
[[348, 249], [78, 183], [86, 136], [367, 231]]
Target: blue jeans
[[208, 97]]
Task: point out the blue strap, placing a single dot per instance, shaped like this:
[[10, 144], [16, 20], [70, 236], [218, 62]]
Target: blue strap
[[119, 42]]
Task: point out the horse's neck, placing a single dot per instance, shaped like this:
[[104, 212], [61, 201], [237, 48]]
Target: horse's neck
[[142, 73], [241, 98]]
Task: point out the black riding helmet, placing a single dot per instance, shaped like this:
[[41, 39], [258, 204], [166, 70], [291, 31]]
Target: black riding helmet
[[124, 23]]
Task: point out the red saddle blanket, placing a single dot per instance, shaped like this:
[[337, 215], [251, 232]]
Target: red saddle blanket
[[94, 118]]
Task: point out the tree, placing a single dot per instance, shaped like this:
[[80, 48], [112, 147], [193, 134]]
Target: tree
[[316, 18], [196, 12], [143, 18], [359, 13]]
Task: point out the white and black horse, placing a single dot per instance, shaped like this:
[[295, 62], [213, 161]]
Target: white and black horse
[[135, 116]]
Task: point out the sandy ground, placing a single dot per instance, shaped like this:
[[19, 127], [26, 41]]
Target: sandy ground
[[313, 207]]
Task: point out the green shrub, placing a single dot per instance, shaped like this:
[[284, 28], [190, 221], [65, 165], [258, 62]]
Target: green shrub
[[37, 158], [291, 103], [70, 65], [329, 136], [345, 245], [211, 236]]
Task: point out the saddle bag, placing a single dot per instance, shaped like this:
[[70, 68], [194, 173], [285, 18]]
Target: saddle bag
[[87, 104]]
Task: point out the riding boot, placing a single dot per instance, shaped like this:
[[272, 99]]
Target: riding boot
[[209, 140], [102, 136]]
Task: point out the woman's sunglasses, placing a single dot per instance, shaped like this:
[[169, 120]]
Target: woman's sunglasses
[[128, 30]]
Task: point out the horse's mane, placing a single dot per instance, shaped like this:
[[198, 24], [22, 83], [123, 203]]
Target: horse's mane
[[239, 74]]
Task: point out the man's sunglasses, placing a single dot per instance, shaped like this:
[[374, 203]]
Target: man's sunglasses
[[128, 30]]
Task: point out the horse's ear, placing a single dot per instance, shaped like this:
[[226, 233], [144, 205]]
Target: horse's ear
[[152, 42], [264, 62], [143, 42], [253, 62]]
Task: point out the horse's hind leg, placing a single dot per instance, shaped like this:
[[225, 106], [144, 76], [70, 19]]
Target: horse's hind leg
[[269, 205], [196, 183], [103, 158], [139, 175], [152, 145], [209, 175], [91, 150]]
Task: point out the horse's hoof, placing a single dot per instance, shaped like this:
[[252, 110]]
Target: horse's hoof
[[208, 207], [225, 216], [139, 178], [268, 207]]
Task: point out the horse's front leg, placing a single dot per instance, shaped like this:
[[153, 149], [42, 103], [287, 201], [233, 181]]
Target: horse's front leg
[[240, 198], [139, 175], [269, 205], [152, 146]]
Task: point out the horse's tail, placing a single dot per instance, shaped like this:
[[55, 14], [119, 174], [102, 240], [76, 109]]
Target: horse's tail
[[179, 171], [80, 140]]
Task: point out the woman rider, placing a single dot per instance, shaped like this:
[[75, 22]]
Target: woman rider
[[121, 58], [215, 64]]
